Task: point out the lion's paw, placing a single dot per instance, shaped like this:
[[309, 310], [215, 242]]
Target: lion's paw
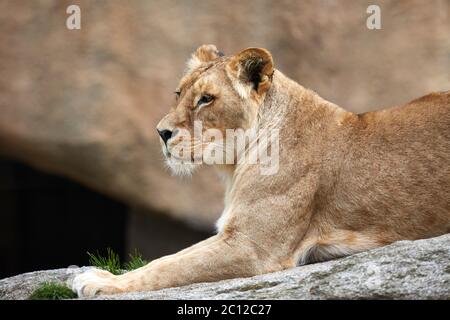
[[94, 282]]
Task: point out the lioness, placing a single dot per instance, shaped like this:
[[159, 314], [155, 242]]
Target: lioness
[[346, 182]]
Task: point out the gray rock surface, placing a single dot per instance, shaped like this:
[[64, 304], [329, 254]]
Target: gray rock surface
[[404, 270]]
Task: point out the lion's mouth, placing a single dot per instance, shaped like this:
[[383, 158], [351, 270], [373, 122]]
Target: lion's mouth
[[166, 152], [170, 156]]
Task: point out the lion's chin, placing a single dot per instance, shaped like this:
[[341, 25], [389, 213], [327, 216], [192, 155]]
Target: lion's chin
[[180, 168]]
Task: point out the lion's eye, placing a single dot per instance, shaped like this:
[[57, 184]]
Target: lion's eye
[[207, 98], [177, 93]]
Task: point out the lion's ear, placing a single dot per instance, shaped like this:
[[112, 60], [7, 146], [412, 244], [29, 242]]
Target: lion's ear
[[204, 53], [254, 67]]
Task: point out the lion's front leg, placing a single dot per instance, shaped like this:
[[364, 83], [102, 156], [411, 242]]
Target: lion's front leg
[[219, 258]]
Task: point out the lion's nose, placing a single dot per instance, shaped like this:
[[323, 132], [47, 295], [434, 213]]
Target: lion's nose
[[165, 134]]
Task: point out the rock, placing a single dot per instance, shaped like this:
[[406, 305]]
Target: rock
[[85, 103], [20, 287], [403, 270]]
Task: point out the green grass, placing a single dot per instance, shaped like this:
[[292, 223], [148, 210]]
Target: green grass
[[136, 261], [111, 262], [52, 291]]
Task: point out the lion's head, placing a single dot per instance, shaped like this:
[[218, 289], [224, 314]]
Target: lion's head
[[216, 93]]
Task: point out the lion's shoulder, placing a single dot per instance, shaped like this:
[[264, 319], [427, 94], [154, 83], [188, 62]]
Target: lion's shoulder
[[433, 98]]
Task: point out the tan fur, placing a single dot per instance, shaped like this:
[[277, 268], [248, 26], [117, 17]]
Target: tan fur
[[347, 182]]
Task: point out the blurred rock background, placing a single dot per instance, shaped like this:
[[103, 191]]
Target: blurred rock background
[[83, 104]]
